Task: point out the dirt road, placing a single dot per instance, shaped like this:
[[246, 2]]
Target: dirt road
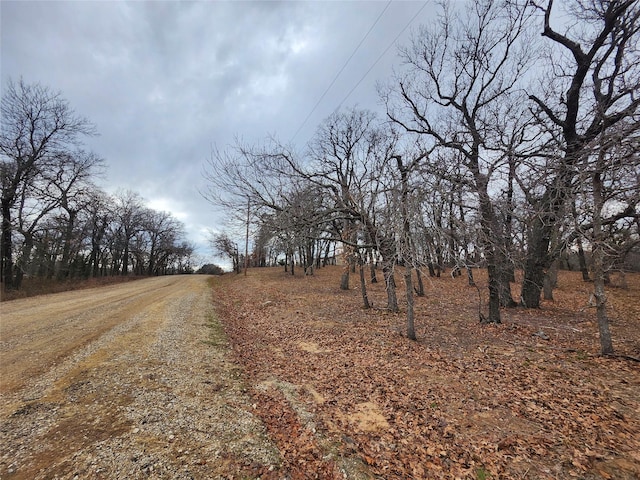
[[126, 381]]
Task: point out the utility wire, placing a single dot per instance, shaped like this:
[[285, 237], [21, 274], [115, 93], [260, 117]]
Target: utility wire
[[342, 69], [381, 55]]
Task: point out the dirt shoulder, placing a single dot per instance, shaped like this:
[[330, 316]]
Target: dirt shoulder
[[126, 381]]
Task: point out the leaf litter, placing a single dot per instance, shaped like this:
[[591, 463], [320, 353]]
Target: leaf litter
[[344, 394]]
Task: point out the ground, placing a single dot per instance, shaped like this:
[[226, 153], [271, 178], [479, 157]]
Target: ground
[[344, 393], [279, 377], [128, 381]]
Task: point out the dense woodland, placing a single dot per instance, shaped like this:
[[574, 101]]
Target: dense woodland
[[56, 222], [509, 142]]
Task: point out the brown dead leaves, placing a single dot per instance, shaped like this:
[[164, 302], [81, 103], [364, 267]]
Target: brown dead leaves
[[347, 394]]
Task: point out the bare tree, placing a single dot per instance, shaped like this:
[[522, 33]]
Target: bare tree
[[72, 186], [591, 86], [612, 177], [461, 71], [34, 205], [53, 200], [99, 217], [37, 126], [349, 156], [163, 232], [244, 174], [340, 163], [129, 212], [341, 154], [224, 245], [406, 243]]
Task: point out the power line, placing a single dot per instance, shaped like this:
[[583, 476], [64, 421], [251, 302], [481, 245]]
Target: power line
[[381, 55], [341, 70]]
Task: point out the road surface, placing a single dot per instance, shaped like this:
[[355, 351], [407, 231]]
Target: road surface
[[127, 381]]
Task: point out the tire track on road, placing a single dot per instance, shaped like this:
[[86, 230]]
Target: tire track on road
[[40, 334]]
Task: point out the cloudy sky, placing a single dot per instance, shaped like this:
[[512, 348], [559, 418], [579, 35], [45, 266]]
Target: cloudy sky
[[166, 81]]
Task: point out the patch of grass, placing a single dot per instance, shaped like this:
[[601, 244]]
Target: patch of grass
[[482, 474], [581, 355], [217, 336], [213, 281]]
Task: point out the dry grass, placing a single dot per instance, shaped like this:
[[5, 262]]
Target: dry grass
[[32, 287]]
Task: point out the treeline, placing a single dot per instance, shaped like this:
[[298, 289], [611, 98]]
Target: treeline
[[510, 142], [56, 223]]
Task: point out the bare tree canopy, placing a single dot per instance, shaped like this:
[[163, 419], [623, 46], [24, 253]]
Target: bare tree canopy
[[38, 129], [591, 86], [55, 220]]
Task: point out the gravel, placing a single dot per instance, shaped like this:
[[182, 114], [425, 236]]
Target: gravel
[[158, 396]]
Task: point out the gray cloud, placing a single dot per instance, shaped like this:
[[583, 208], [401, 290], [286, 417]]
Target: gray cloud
[[164, 81]]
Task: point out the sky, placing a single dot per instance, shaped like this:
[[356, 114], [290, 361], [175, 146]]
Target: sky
[[165, 82]]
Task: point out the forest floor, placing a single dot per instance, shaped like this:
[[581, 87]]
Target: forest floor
[[344, 394]]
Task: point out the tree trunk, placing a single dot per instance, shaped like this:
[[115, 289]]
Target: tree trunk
[[472, 283], [319, 250], [388, 253], [582, 260], [534, 267], [94, 257], [470, 280], [494, 295], [509, 271], [407, 246], [344, 279], [66, 249], [550, 281], [42, 257], [372, 269], [348, 255], [411, 332], [547, 288], [125, 258], [492, 244], [6, 247], [327, 250], [303, 259], [545, 223], [24, 261], [606, 344], [17, 282], [363, 288], [505, 273], [531, 287], [390, 283], [432, 272], [420, 289], [309, 254], [152, 259]]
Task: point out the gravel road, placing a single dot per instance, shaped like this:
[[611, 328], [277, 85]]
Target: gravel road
[[127, 381]]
